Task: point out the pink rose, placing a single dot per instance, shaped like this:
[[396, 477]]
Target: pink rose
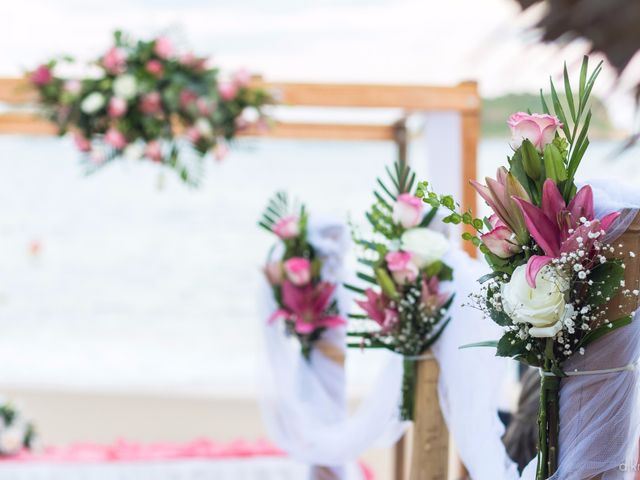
[[242, 77], [220, 151], [227, 90], [153, 151], [287, 227], [163, 47], [41, 75], [205, 106], [82, 143], [154, 67], [539, 129], [402, 269], [187, 97], [193, 134], [408, 210], [298, 271], [151, 103], [117, 107], [115, 138], [74, 87], [115, 61], [273, 272], [501, 240]]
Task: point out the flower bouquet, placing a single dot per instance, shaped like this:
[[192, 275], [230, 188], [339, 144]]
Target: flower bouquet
[[139, 97], [404, 269], [16, 433], [305, 301], [556, 284]]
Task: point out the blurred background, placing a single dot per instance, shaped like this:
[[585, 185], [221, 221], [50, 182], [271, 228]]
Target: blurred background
[[127, 285]]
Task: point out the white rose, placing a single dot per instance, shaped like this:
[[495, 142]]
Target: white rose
[[125, 87], [92, 103], [543, 307], [425, 245], [134, 151], [251, 114], [12, 439], [204, 127]]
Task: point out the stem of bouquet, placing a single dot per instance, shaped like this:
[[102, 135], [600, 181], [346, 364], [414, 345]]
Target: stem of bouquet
[[548, 418]]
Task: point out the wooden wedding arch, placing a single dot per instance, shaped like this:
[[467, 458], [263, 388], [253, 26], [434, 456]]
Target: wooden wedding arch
[[462, 98]]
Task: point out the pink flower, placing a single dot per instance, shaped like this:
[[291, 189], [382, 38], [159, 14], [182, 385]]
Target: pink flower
[[190, 60], [539, 129], [220, 151], [115, 61], [187, 97], [205, 106], [115, 138], [163, 47], [431, 296], [306, 307], [151, 103], [377, 308], [287, 227], [42, 75], [193, 135], [242, 77], [117, 107], [153, 151], [500, 195], [73, 87], [401, 267], [154, 67], [500, 240], [298, 270], [227, 90], [408, 210], [82, 143], [556, 226], [274, 273]]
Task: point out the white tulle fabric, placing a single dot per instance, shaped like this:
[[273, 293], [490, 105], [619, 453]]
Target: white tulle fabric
[[303, 402], [599, 414]]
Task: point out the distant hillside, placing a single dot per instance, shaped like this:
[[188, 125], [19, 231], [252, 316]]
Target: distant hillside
[[496, 111]]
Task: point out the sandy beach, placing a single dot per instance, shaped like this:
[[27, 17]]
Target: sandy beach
[[65, 417]]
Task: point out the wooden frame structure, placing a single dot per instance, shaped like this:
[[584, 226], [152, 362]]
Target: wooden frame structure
[[462, 98]]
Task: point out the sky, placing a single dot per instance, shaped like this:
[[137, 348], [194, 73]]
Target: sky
[[375, 41]]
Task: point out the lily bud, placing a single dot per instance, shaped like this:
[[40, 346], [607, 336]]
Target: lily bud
[[386, 283], [531, 160], [553, 164]]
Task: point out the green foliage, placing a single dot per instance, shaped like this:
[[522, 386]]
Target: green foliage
[[606, 278]]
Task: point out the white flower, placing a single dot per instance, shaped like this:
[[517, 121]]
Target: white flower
[[125, 87], [92, 103], [204, 127], [12, 439], [426, 246], [134, 151], [543, 307], [251, 114]]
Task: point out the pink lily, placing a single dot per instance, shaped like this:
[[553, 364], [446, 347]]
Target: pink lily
[[306, 307], [499, 195], [500, 240], [556, 227], [432, 297], [377, 308]]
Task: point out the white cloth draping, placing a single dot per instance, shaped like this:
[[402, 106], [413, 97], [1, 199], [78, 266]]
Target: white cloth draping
[[259, 468]]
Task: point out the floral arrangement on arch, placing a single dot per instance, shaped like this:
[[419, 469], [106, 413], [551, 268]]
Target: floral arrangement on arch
[[404, 305], [556, 285], [16, 433], [142, 98], [306, 303]]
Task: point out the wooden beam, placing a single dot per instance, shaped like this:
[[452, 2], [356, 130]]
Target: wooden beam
[[31, 124], [462, 98], [470, 133]]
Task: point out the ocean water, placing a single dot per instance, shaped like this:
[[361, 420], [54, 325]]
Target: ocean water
[[148, 289]]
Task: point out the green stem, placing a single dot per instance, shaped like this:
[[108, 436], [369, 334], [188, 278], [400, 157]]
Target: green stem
[[548, 418], [408, 390]]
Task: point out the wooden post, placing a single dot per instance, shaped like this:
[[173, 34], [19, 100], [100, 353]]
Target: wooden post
[[470, 131], [430, 455], [622, 305]]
